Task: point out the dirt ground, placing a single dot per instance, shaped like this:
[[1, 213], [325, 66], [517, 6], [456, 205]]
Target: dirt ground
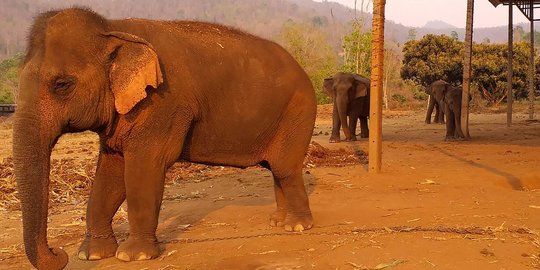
[[436, 205]]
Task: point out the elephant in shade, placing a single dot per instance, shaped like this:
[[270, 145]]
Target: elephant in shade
[[350, 93], [450, 98], [434, 105]]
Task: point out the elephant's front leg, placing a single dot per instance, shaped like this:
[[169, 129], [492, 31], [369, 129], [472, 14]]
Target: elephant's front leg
[[450, 124], [336, 125], [144, 177], [353, 121], [364, 129], [431, 106], [107, 195], [440, 115], [457, 118]]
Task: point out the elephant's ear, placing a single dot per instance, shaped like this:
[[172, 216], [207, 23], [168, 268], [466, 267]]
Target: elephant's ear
[[329, 86], [134, 66], [362, 86]]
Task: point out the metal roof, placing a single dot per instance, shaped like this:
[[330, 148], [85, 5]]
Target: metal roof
[[527, 7]]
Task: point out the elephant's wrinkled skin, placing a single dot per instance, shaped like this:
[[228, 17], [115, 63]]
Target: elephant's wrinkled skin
[[434, 104], [350, 93], [155, 92], [450, 99]]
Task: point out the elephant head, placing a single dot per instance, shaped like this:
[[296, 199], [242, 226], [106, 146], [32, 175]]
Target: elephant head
[[344, 88], [77, 75]]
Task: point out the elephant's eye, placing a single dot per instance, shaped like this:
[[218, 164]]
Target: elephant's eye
[[63, 84]]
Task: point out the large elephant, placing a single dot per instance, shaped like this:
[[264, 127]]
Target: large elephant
[[350, 93], [155, 92], [434, 105], [450, 99]]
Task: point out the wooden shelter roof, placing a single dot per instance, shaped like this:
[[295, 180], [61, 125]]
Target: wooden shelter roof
[[527, 7]]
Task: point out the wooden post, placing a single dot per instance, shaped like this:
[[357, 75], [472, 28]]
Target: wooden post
[[531, 66], [377, 58], [510, 93], [467, 70]]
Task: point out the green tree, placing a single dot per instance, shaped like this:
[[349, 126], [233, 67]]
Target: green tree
[[357, 51], [454, 35], [312, 51], [9, 78], [489, 71], [434, 57]]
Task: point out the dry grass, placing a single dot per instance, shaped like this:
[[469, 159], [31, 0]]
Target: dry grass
[[71, 178]]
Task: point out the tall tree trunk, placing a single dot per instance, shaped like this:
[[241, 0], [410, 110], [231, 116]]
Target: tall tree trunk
[[531, 66], [377, 61], [467, 70], [510, 76]]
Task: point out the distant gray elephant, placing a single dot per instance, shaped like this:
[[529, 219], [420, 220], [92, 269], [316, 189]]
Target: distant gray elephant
[[434, 104], [450, 99], [350, 93]]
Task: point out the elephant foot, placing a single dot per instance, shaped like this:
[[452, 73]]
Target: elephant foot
[[334, 140], [364, 135], [291, 223], [353, 139], [298, 223], [97, 248], [277, 219], [453, 139], [138, 249], [428, 122]]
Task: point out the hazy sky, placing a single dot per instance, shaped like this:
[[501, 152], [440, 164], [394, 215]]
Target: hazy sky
[[417, 12]]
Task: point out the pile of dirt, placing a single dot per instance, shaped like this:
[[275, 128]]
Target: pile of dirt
[[319, 156]]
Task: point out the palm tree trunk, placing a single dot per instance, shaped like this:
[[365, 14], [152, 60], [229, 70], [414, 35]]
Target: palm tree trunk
[[467, 70], [377, 72]]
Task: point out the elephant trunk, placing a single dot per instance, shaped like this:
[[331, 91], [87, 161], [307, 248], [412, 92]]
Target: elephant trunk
[[342, 106], [31, 156]]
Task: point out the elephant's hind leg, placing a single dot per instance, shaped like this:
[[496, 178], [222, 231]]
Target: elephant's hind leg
[[285, 157], [107, 195], [293, 212]]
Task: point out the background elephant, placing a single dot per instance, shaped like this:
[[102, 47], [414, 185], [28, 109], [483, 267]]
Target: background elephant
[[434, 104], [350, 93], [450, 99], [155, 92]]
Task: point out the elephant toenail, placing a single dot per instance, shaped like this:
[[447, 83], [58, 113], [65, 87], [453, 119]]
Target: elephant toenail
[[94, 257], [273, 223], [288, 228], [298, 228], [83, 256], [123, 256], [143, 256]]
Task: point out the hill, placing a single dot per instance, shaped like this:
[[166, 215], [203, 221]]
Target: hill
[[438, 25], [260, 17]]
